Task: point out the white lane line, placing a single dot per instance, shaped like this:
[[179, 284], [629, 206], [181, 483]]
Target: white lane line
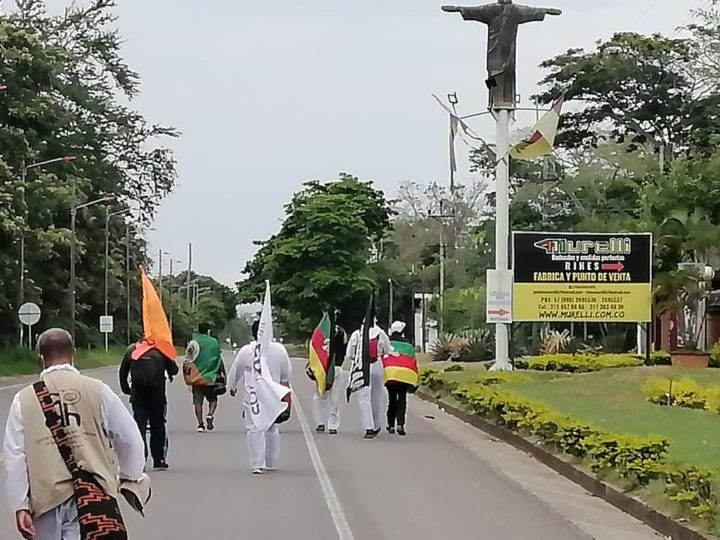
[[333, 503]]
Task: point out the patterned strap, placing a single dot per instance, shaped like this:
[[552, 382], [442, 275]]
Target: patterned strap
[[98, 513]]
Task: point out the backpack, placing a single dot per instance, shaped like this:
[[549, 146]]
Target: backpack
[[148, 370]]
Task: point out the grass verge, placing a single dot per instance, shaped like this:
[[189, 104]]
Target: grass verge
[[17, 361]]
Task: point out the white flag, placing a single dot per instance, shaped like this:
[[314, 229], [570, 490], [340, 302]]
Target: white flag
[[265, 395]]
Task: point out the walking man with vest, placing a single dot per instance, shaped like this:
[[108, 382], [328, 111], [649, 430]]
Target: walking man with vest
[[204, 373], [63, 420]]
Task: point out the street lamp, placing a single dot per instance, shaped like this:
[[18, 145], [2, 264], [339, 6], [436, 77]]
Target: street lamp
[[23, 181], [170, 291], [108, 216], [73, 248]]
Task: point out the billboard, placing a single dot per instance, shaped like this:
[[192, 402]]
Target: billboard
[[582, 277]]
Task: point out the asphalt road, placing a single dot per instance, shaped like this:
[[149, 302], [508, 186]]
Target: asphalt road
[[425, 486]]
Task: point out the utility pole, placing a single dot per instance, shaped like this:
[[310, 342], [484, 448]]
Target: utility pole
[[390, 302], [160, 269], [127, 282], [440, 218], [189, 272]]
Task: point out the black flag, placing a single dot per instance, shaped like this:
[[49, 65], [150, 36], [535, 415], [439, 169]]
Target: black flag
[[360, 370]]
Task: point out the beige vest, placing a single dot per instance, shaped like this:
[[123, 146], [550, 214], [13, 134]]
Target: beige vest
[[79, 402]]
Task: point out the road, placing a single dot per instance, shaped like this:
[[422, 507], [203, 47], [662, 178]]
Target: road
[[445, 480]]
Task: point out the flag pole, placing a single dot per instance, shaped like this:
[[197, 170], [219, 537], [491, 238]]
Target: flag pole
[[502, 227]]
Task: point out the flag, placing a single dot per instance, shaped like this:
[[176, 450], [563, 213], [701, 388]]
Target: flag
[[156, 330], [400, 365], [542, 141], [321, 357], [360, 369], [202, 361], [265, 395]]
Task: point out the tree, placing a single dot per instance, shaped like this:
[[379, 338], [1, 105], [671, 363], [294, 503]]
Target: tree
[[637, 89], [320, 256], [65, 82]]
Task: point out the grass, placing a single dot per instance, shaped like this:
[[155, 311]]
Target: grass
[[15, 361], [613, 399]]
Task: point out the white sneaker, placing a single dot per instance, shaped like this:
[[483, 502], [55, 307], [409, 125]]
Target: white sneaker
[[270, 469], [258, 471], [201, 429]]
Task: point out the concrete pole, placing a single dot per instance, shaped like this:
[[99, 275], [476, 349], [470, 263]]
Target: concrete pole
[[73, 248], [127, 282], [441, 318], [170, 291], [160, 286], [502, 229], [189, 271], [390, 302], [107, 263], [21, 291]]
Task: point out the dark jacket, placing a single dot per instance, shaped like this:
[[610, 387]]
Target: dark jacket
[[338, 345], [147, 372]]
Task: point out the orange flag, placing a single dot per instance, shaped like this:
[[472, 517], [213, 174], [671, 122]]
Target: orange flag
[[156, 330]]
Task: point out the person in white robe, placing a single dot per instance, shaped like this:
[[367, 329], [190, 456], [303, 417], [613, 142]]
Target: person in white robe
[[263, 446], [372, 399]]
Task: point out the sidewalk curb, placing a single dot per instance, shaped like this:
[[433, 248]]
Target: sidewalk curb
[[634, 507]]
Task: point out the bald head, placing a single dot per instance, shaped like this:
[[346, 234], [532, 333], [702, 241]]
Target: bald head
[[56, 347]]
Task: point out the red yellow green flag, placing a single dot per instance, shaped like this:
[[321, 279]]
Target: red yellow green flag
[[542, 141], [320, 358], [401, 365]]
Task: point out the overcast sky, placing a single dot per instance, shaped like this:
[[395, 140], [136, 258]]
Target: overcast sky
[[269, 94]]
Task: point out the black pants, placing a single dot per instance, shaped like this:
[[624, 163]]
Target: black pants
[[149, 406], [397, 403]]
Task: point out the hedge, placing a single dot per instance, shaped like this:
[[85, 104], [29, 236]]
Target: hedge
[[639, 460], [578, 363], [682, 393]]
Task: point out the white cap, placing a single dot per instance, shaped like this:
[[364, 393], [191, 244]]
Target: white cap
[[397, 327]]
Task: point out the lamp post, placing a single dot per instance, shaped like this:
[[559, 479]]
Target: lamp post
[[390, 302], [170, 291], [127, 282], [108, 216], [23, 182], [73, 249]]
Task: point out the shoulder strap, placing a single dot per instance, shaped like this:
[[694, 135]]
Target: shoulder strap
[[54, 423], [98, 513]]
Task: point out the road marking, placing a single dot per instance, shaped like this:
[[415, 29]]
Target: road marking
[[333, 503]]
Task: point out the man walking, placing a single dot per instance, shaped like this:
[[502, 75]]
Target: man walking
[[203, 371], [147, 367], [65, 437], [372, 396], [401, 377], [263, 445], [326, 407], [148, 363]]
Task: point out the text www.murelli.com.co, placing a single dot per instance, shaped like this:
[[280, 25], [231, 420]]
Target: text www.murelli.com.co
[[589, 314]]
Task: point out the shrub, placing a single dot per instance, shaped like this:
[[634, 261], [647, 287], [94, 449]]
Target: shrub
[[453, 368], [715, 355], [660, 358], [639, 460], [682, 393], [479, 346], [580, 363], [440, 349], [554, 342]]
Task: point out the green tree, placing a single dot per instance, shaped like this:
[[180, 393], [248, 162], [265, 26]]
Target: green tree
[[320, 256], [66, 87]]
